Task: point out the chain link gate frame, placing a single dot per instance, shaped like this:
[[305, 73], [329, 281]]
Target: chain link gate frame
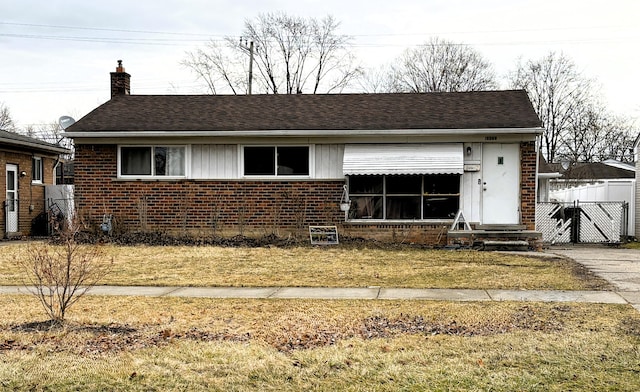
[[582, 222]]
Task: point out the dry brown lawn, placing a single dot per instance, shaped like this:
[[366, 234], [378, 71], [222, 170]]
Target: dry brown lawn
[[325, 266], [199, 344], [171, 344]]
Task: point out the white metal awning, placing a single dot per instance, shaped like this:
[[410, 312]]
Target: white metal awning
[[436, 158]]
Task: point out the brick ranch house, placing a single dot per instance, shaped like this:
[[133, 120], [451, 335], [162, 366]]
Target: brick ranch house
[[262, 164], [29, 166]]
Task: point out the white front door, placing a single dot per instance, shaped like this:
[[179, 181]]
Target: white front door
[[500, 183], [12, 199]]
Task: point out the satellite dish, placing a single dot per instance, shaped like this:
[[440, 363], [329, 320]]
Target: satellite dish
[[66, 121]]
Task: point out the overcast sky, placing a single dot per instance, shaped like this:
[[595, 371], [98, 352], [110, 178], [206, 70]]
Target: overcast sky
[[57, 54]]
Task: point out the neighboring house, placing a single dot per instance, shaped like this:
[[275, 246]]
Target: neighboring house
[[586, 173], [261, 164], [28, 166]]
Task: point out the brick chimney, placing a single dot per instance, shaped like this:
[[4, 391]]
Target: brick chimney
[[120, 81]]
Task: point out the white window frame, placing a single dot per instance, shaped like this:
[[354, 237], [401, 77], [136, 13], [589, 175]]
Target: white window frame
[[187, 162], [311, 157], [36, 161]]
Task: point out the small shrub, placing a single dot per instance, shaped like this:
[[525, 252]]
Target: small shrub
[[59, 275]]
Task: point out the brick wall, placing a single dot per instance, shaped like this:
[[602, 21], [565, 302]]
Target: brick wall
[[528, 184], [431, 234], [31, 200], [225, 207], [231, 207]]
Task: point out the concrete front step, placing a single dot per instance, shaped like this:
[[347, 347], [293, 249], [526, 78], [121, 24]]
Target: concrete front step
[[496, 239], [506, 245]]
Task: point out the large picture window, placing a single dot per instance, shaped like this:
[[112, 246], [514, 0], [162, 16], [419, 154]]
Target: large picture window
[[153, 161], [404, 197], [276, 160]]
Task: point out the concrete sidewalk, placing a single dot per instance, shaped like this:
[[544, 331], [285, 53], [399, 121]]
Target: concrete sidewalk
[[621, 267], [370, 293]]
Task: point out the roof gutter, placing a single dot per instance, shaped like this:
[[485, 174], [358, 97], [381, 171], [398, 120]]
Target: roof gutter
[[303, 132], [36, 146]]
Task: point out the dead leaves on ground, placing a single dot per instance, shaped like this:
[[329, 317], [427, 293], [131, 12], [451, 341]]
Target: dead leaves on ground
[[287, 336]]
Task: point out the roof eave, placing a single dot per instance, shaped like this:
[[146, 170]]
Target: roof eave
[[549, 175], [304, 132], [35, 146]]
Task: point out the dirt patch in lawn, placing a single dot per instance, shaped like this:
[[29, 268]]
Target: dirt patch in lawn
[[286, 337]]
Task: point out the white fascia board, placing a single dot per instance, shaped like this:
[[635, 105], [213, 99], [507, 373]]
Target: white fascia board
[[305, 133], [549, 175], [36, 146]]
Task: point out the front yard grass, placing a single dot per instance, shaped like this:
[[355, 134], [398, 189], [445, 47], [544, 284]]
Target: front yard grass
[[200, 344], [326, 266], [171, 344]]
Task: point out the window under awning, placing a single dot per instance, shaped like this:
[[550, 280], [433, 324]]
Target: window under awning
[[436, 158]]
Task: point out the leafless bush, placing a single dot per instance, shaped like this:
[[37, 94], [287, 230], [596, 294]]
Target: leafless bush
[[59, 275]]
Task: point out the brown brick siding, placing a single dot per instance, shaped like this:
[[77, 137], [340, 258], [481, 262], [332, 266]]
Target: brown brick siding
[[230, 207], [30, 196], [210, 207], [529, 161], [431, 234]]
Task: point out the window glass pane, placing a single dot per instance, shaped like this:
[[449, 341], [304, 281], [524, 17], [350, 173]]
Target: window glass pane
[[175, 161], [366, 207], [403, 207], [406, 185], [259, 161], [365, 184], [11, 180], [36, 173], [135, 161], [293, 161], [442, 184], [160, 160], [444, 207]]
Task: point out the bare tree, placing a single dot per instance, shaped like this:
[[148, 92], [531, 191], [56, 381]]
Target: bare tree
[[6, 122], [577, 126], [219, 68], [441, 65], [559, 94], [376, 80], [579, 143], [616, 140], [50, 133], [291, 55], [59, 275]]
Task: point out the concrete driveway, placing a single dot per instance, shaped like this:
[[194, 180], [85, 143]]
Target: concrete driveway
[[621, 267]]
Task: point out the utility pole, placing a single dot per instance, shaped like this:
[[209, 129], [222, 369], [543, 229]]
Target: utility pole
[[250, 66], [250, 50]]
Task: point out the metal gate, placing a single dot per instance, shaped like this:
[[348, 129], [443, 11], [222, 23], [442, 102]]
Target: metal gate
[[586, 222]]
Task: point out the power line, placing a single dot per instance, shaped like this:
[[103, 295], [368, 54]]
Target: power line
[[221, 38], [103, 29]]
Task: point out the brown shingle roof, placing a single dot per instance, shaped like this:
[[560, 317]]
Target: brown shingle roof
[[596, 171], [465, 110]]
